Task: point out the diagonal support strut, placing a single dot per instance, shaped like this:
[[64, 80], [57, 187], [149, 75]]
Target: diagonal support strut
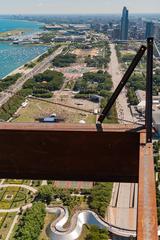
[[122, 83]]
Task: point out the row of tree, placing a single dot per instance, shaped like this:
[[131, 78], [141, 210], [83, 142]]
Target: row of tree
[[8, 81], [94, 83], [64, 60], [100, 197], [46, 54], [136, 82], [96, 233], [31, 223], [100, 61], [49, 193], [41, 85], [8, 109]]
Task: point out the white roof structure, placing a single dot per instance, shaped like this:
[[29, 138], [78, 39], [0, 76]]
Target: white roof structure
[[141, 95], [156, 121], [141, 106]]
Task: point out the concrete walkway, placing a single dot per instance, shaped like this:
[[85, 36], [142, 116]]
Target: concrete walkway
[[15, 221]]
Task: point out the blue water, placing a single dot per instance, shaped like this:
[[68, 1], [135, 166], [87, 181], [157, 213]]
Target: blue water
[[13, 56], [8, 25]]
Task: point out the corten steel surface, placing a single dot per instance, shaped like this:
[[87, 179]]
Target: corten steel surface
[[69, 152], [81, 152], [147, 211]]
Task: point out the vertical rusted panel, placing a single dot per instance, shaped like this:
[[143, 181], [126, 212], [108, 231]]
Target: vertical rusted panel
[[147, 212]]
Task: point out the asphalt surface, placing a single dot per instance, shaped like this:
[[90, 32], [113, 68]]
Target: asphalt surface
[[122, 211]]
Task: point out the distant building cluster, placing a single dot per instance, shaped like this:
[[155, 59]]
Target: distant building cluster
[[131, 28], [69, 32], [140, 108]]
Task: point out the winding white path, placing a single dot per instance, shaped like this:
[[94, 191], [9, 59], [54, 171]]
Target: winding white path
[[56, 231]]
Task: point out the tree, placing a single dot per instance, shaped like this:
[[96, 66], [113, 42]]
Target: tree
[[45, 193], [100, 197], [64, 60], [96, 233], [31, 223]]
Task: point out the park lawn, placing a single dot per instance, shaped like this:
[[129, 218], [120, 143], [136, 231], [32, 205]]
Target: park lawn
[[13, 181], [2, 192], [7, 222], [38, 109], [85, 231], [128, 52], [91, 119], [7, 203], [20, 197], [35, 109], [2, 217], [48, 219]]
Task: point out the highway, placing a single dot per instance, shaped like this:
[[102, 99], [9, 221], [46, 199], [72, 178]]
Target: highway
[[122, 211], [40, 67]]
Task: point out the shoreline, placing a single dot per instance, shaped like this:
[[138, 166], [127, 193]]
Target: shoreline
[[17, 70], [20, 68]]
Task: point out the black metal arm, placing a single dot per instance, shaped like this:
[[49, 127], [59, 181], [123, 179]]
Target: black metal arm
[[149, 86], [122, 83]]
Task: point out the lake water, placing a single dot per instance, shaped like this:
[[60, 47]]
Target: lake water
[[9, 25], [13, 56]]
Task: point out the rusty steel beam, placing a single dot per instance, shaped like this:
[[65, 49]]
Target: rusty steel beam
[[81, 152], [147, 211], [69, 152], [67, 127]]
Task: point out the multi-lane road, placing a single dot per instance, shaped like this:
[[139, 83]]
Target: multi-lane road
[[122, 211], [123, 109], [40, 67]]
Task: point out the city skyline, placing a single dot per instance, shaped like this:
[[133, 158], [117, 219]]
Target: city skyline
[[81, 7]]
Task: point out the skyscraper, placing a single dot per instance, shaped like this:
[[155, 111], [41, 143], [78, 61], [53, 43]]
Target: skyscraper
[[149, 29], [157, 30], [124, 24]]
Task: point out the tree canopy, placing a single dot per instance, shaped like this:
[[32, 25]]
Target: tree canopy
[[31, 223], [97, 234]]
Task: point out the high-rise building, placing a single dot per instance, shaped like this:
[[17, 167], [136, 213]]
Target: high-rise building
[[124, 24], [116, 33], [149, 29], [157, 30]]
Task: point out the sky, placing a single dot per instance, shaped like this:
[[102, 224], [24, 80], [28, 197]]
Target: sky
[[77, 6]]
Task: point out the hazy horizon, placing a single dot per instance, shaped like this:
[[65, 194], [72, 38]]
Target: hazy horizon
[[69, 7]]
